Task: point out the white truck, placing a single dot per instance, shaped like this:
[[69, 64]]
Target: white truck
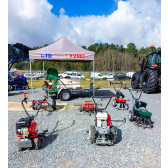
[[130, 74]]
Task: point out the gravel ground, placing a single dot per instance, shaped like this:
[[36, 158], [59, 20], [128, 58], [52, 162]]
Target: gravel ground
[[67, 144]]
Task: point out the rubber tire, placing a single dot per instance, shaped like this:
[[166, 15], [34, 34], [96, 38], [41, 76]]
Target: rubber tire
[[93, 131], [33, 105], [9, 87], [152, 81], [80, 108], [19, 148], [26, 87], [61, 95], [114, 102], [54, 104], [159, 87], [131, 115], [37, 143], [135, 81], [113, 138]]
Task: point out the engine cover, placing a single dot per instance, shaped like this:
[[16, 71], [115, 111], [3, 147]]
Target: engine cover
[[23, 122], [101, 119], [22, 126]]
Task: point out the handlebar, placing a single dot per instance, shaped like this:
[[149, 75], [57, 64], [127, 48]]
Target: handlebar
[[130, 90], [120, 83], [25, 100], [101, 109]]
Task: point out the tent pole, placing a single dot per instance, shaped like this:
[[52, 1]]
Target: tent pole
[[31, 80], [94, 78], [43, 70], [90, 72]]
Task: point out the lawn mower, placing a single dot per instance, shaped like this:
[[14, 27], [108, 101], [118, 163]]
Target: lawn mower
[[119, 101], [103, 132], [139, 114], [26, 129], [37, 104], [51, 87]]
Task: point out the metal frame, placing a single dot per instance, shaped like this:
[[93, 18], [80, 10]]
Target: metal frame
[[71, 90]]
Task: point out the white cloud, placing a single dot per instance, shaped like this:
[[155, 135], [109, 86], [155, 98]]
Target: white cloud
[[32, 23], [62, 11]]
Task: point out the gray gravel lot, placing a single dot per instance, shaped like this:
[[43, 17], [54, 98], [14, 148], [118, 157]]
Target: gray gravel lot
[[67, 144]]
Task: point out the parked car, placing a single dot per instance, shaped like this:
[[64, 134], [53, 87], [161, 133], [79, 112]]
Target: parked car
[[72, 74], [29, 75], [40, 74], [97, 75], [108, 76], [121, 77]]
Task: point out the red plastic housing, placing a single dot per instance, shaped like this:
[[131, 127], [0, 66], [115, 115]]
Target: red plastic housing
[[108, 120], [88, 105], [121, 100], [49, 86], [33, 128]]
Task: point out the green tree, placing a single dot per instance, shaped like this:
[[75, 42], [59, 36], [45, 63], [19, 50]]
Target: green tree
[[84, 47], [131, 48], [121, 48]]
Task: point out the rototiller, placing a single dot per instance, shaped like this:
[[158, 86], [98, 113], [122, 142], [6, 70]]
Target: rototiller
[[139, 114], [119, 101], [37, 104], [26, 129], [51, 87], [88, 106], [103, 132]]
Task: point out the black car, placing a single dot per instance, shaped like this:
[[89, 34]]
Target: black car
[[121, 77]]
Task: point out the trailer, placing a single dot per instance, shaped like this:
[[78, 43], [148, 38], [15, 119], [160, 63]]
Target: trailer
[[64, 88], [68, 87]]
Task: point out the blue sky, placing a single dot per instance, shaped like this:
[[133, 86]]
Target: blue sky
[[84, 22], [84, 7]]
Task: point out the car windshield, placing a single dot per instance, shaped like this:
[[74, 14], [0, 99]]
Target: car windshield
[[74, 74], [78, 74], [99, 75]]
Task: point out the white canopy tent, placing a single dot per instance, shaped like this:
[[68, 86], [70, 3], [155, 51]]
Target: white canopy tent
[[62, 50]]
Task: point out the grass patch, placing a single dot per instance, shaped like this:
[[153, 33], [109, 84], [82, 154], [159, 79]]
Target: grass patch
[[38, 83]]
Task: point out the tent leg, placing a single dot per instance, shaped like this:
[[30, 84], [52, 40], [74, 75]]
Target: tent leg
[[90, 73], [31, 79], [94, 78], [43, 70]]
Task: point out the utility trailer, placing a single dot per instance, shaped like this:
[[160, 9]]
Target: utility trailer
[[64, 88], [68, 87]]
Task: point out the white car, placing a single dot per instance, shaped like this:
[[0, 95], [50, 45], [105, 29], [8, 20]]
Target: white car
[[39, 74], [29, 76], [97, 75], [109, 76], [72, 74]]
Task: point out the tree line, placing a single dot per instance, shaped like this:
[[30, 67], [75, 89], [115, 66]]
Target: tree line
[[108, 57]]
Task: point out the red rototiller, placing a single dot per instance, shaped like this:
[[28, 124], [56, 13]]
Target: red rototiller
[[119, 101]]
